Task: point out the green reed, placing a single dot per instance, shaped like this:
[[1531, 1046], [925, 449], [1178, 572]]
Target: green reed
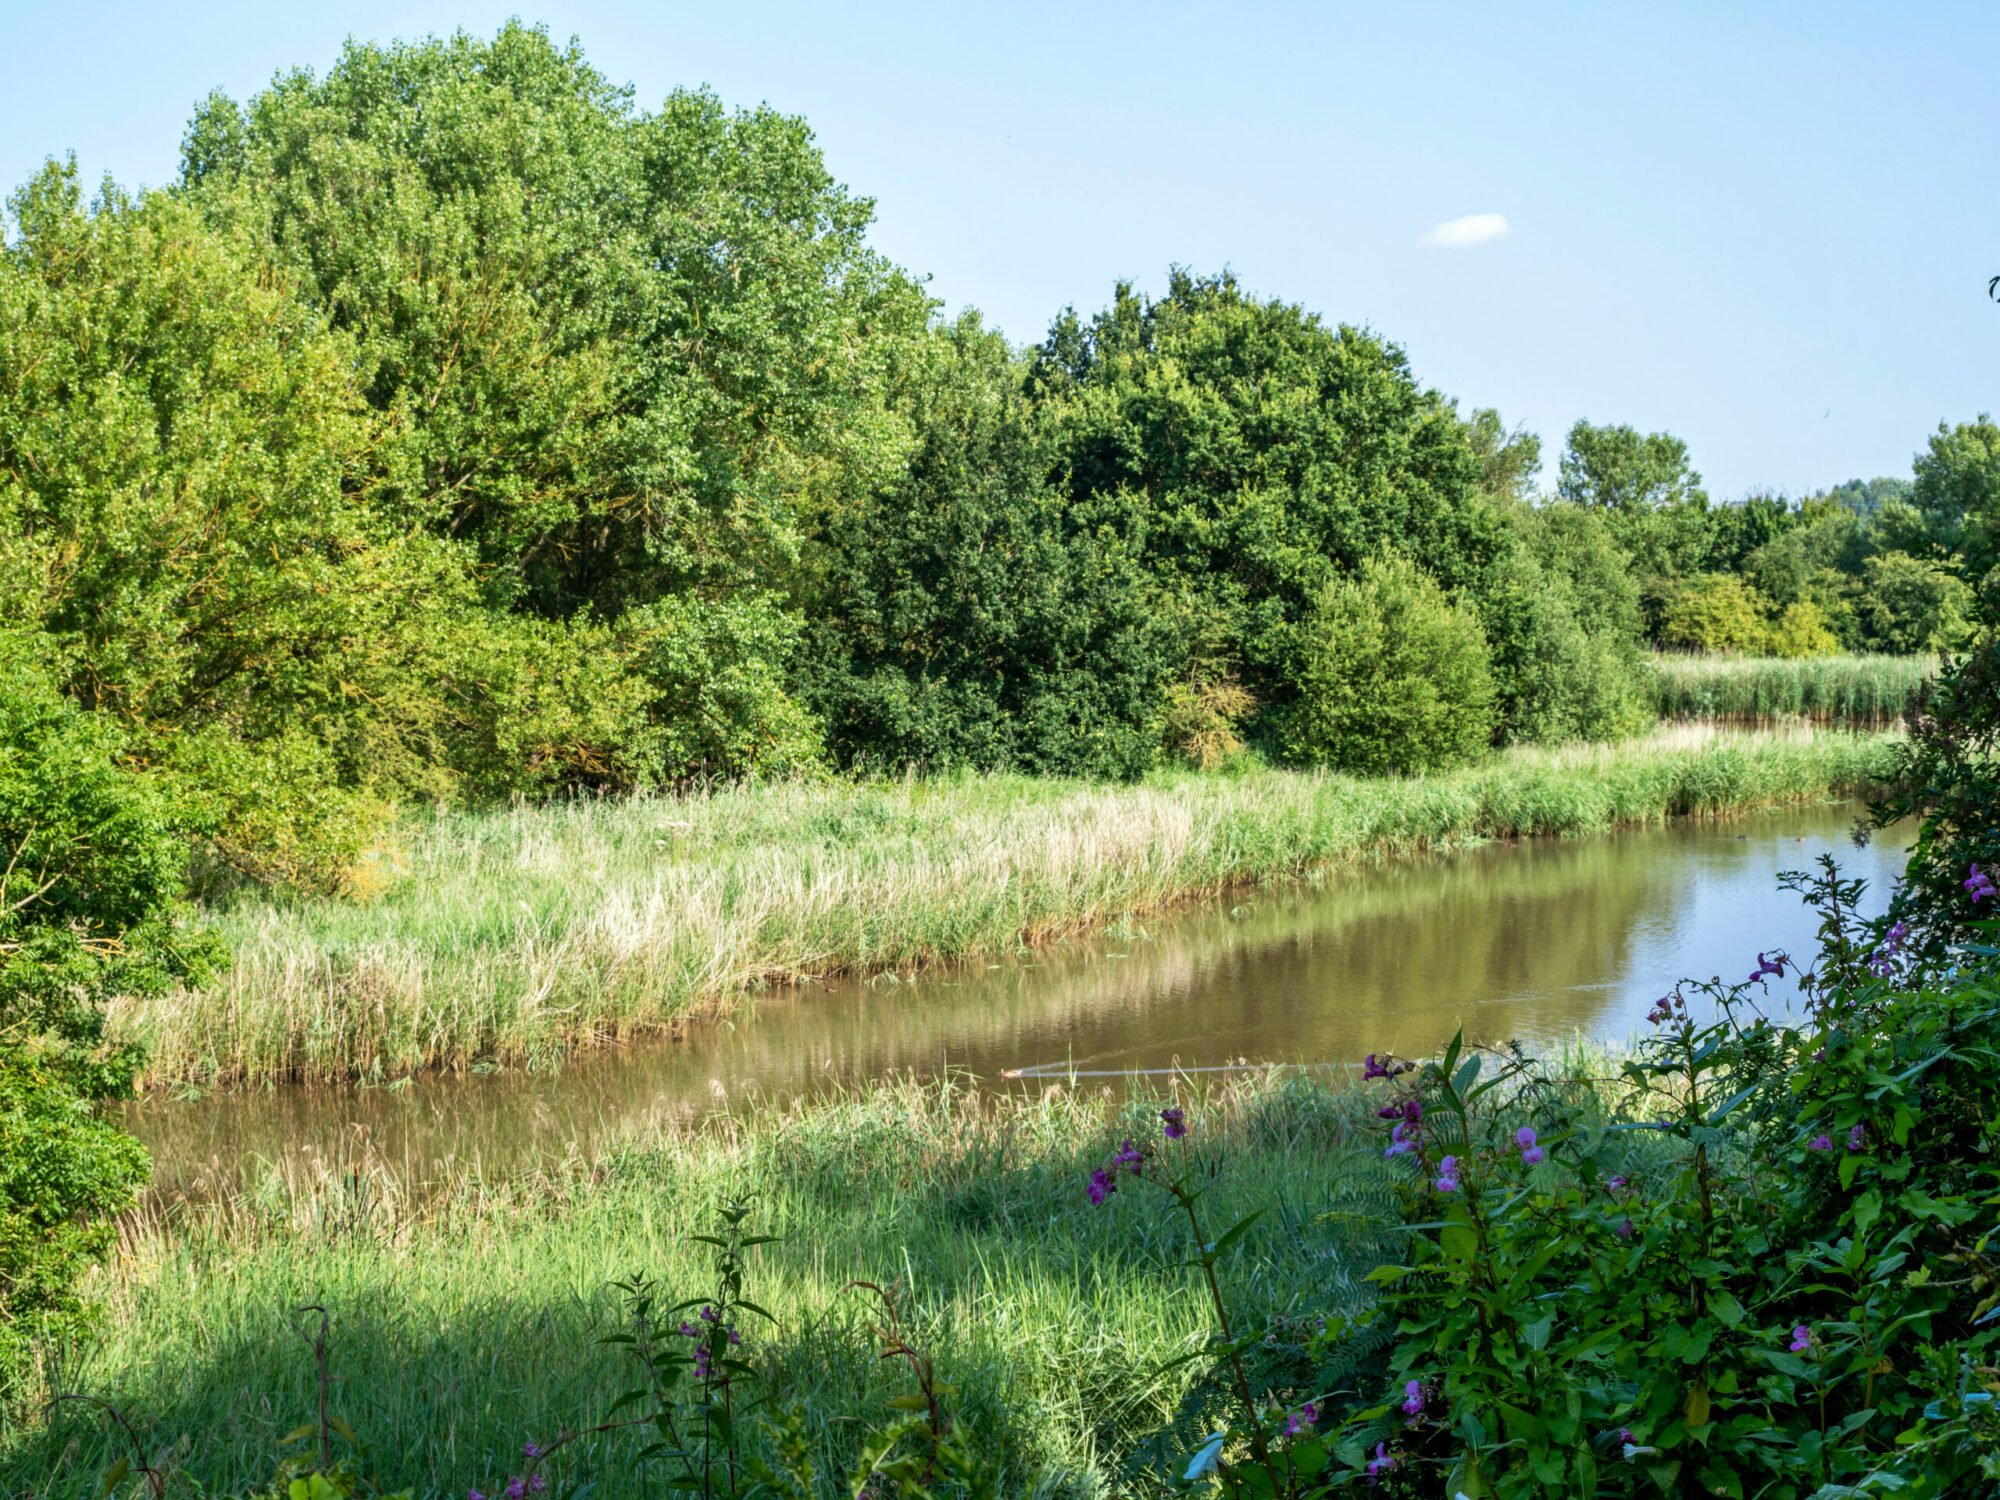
[[518, 935], [1853, 691]]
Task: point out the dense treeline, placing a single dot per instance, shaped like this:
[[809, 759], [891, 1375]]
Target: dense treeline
[[455, 429]]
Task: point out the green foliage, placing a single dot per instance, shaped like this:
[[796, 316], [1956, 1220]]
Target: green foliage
[[1803, 630], [1715, 612], [1391, 677], [1957, 491], [1947, 777], [1509, 460], [1555, 679], [90, 873], [1759, 1265], [1911, 604], [963, 615], [1619, 469], [1256, 456]]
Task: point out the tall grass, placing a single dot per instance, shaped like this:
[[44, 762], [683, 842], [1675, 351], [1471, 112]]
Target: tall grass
[[1852, 691], [466, 1317], [520, 934]]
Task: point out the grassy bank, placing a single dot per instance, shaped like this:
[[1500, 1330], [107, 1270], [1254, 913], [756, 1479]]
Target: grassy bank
[[518, 935], [467, 1322], [1853, 691]]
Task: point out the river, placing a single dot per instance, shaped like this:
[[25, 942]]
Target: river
[[1542, 941]]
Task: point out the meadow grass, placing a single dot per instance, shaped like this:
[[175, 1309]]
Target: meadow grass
[[514, 936], [467, 1316], [1852, 691]]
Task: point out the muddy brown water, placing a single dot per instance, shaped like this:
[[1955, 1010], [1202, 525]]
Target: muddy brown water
[[1544, 941]]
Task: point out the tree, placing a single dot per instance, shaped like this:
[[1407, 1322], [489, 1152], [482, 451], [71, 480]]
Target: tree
[[1393, 677], [1508, 460], [1803, 630], [1715, 612], [1650, 496], [963, 615], [1910, 604], [1257, 455], [1620, 469], [1957, 491]]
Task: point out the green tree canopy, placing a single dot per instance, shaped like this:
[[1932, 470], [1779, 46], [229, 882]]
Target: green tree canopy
[[1261, 455]]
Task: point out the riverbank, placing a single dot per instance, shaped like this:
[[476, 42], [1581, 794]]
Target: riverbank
[[518, 936], [467, 1316]]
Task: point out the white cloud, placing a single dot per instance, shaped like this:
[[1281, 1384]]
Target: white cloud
[[1473, 229]]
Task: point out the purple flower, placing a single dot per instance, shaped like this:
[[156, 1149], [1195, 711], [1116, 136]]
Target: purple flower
[[1624, 1228], [688, 1330], [1302, 1420], [1371, 1068], [1978, 885], [1857, 1139], [474, 1495], [708, 1313], [1447, 1181], [1413, 1399], [1402, 1140], [1801, 1339], [1390, 1111], [1129, 1157], [1820, 1142], [1381, 1463], [1174, 1122], [735, 1338], [1881, 965], [701, 1361], [1767, 966], [1101, 1186], [1525, 1139], [1617, 1182], [1897, 936], [517, 1488], [530, 1451]]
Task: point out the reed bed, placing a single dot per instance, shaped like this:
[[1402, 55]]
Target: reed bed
[[466, 1314], [1850, 691], [515, 936]]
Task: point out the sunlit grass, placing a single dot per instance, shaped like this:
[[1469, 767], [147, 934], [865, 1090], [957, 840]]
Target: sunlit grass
[[519, 934]]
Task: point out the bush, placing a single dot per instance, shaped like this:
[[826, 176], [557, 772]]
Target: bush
[[1391, 677], [1803, 630], [1554, 679], [1757, 1265], [1909, 604], [1947, 777], [90, 879], [1715, 612]]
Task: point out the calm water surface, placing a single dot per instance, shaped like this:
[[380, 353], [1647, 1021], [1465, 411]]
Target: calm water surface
[[1543, 941]]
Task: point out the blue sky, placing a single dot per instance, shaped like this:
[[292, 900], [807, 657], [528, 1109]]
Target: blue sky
[[1766, 228]]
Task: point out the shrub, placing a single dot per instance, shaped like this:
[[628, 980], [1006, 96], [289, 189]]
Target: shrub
[[1765, 1270], [1803, 630], [1391, 676], [90, 871], [1714, 612], [1909, 604], [1554, 679], [1947, 776]]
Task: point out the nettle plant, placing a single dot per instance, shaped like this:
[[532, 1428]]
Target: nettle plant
[[1761, 1260]]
